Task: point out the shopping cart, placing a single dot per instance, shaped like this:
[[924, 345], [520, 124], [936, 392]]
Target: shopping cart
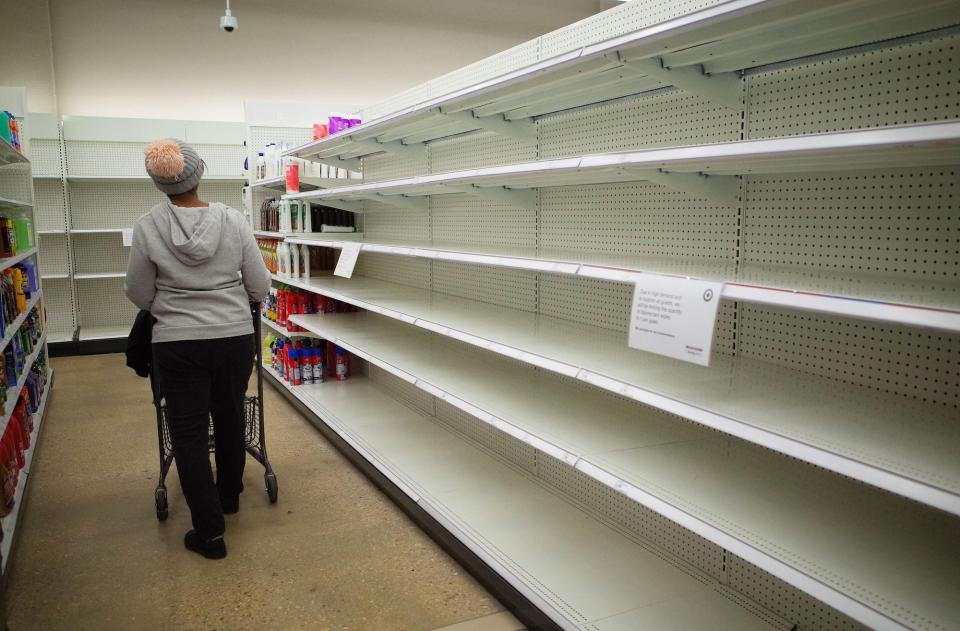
[[253, 437]]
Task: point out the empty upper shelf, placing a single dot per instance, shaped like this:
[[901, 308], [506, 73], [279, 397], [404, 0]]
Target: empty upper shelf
[[701, 170], [700, 53]]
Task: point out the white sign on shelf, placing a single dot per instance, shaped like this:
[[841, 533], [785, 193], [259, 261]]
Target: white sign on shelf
[[127, 234], [348, 259], [674, 317]]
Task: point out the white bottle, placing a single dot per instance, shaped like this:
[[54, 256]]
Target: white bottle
[[294, 261], [283, 259], [307, 216], [294, 206], [305, 259], [261, 167], [284, 222]]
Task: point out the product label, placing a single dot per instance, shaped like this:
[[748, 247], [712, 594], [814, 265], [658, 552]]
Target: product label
[[674, 317], [348, 259]]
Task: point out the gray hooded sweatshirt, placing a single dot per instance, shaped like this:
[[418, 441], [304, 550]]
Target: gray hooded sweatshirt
[[195, 270]]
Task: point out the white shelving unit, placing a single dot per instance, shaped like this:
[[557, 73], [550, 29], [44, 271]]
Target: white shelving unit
[[107, 190], [796, 152], [17, 196]]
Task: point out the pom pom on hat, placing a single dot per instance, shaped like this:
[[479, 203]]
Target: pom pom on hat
[[164, 158]]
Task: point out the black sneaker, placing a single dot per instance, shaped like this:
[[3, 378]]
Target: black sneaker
[[230, 505], [211, 548]]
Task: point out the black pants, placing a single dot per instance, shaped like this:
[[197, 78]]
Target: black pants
[[200, 379]]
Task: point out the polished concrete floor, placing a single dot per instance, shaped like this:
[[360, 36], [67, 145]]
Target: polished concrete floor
[[334, 553]]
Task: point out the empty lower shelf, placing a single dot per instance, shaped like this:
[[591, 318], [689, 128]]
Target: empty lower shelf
[[863, 557], [577, 570], [861, 433]]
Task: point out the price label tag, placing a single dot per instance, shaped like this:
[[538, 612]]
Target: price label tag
[[348, 259], [674, 317], [127, 234]]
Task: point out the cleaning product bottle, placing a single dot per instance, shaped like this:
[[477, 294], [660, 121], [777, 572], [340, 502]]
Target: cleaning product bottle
[[294, 206], [291, 306], [282, 306], [316, 359], [283, 255], [305, 260], [293, 361], [306, 366], [261, 167], [307, 216], [294, 261], [342, 365]]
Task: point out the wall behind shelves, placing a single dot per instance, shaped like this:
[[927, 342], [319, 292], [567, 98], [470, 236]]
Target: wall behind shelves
[[105, 52]]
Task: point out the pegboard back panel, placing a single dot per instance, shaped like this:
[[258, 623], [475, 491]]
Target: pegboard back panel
[[639, 523], [472, 222], [910, 362], [98, 205], [402, 270], [58, 302], [409, 226], [638, 220], [389, 166], [402, 100], [606, 304], [492, 439], [914, 81], [628, 17], [663, 118], [889, 223], [490, 67], [261, 135], [100, 253], [49, 205], [54, 254], [102, 303], [15, 182], [90, 158], [45, 158], [786, 600], [478, 150], [515, 289], [401, 389]]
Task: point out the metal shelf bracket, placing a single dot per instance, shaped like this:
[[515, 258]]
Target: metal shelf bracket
[[722, 189], [723, 88], [526, 199], [521, 129]]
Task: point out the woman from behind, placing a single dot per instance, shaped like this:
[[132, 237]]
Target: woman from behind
[[195, 266]]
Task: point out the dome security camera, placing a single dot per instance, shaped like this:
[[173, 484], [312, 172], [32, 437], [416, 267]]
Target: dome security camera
[[228, 23]]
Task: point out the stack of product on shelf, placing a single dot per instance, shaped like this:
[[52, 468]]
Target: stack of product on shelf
[[16, 437], [16, 235], [284, 301], [295, 215], [301, 261], [268, 250], [306, 362], [17, 286], [16, 352], [10, 130]]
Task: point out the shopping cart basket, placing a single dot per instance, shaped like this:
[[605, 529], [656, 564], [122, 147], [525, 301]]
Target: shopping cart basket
[[253, 437]]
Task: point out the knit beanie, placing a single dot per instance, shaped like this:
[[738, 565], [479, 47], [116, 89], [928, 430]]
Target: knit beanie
[[173, 165]]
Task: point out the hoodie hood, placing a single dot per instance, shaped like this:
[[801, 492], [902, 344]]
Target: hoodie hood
[[191, 234]]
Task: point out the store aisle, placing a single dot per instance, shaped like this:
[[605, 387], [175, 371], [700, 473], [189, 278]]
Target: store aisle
[[332, 554]]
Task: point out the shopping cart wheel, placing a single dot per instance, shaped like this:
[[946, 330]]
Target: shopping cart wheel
[[160, 498], [271, 481]]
